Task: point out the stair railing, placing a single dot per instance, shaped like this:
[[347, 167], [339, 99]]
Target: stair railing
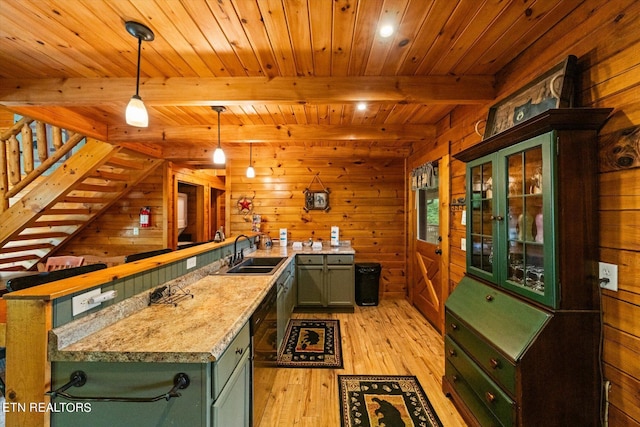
[[16, 175]]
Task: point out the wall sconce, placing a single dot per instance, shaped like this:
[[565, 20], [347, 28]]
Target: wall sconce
[[251, 172], [218, 155], [136, 113]]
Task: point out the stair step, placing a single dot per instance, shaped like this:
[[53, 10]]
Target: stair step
[[29, 257], [98, 188], [86, 200], [112, 176], [125, 163], [56, 223], [69, 211], [31, 247], [14, 268], [40, 236]]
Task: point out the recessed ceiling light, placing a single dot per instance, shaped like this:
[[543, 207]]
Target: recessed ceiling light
[[361, 106], [386, 30]]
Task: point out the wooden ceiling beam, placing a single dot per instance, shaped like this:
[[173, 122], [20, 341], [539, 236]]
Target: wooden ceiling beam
[[271, 133], [191, 91]]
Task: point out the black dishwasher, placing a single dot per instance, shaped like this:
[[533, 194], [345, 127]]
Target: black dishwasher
[[264, 353]]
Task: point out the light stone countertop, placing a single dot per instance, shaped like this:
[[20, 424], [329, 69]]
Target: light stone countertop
[[197, 330]]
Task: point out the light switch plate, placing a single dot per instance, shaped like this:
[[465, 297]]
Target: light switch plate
[[191, 262], [608, 274], [463, 244], [79, 303]]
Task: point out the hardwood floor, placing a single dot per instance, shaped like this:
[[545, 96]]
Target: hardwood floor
[[391, 338]]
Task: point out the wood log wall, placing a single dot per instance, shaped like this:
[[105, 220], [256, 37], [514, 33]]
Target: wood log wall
[[607, 43], [367, 199]]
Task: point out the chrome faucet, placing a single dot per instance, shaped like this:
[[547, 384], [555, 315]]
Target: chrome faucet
[[239, 256]]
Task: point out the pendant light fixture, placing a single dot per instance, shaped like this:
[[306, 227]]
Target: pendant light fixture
[[136, 113], [218, 155], [251, 172]]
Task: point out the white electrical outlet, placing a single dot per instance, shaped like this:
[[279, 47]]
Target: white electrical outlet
[[136, 231], [191, 262], [608, 274], [463, 244], [80, 304]]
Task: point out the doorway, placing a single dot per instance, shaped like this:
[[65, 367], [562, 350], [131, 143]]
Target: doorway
[[428, 254], [217, 211]]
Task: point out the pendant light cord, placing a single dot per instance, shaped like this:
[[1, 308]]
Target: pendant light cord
[[219, 129], [138, 73]]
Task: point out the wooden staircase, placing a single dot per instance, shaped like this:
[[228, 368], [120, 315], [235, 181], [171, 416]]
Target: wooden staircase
[[58, 206]]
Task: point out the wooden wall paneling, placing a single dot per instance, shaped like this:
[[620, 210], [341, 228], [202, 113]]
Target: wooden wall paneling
[[112, 233], [623, 397], [607, 54], [367, 202]]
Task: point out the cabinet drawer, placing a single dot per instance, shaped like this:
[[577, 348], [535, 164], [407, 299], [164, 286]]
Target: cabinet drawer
[[484, 416], [309, 259], [224, 366], [501, 369], [494, 398], [340, 259]]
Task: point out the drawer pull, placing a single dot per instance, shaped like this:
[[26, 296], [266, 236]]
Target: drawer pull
[[455, 378], [490, 397], [239, 350], [489, 298], [495, 363], [454, 326], [452, 352]]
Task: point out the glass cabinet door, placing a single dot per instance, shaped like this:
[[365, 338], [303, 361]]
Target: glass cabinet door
[[510, 219], [481, 236], [528, 213]]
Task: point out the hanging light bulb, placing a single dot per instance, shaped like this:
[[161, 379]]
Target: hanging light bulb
[[136, 113], [251, 172], [218, 155]]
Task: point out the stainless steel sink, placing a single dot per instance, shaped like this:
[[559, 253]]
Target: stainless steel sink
[[257, 265]]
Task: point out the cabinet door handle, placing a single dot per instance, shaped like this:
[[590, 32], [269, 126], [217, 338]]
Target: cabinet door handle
[[495, 363], [490, 397], [454, 326], [489, 298], [452, 352], [454, 378], [438, 251], [497, 217], [239, 350]]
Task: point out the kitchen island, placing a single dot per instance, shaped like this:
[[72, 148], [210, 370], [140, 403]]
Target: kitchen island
[[147, 349]]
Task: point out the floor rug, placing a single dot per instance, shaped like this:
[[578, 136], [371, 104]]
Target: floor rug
[[311, 343], [376, 400]]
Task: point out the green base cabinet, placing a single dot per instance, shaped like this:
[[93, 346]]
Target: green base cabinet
[[522, 327], [218, 394], [325, 281]]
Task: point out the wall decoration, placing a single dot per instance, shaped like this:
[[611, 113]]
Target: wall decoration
[[245, 205], [316, 199], [554, 89], [424, 176]]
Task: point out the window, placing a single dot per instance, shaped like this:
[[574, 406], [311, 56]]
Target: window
[[428, 215]]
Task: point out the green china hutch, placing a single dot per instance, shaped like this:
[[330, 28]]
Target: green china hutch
[[523, 325]]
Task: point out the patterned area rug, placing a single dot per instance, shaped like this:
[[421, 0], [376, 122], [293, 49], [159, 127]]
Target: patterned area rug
[[311, 343], [392, 401]]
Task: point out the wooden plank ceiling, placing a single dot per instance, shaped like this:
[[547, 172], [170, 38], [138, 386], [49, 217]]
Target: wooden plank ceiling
[[288, 71]]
